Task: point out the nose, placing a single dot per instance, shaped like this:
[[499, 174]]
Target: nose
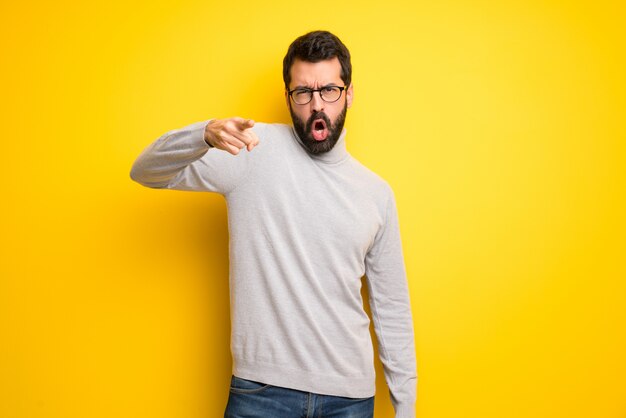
[[317, 104]]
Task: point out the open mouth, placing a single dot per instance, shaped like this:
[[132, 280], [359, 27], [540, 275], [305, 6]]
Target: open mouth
[[319, 130]]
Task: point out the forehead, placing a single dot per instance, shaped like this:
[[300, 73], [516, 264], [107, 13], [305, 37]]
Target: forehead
[[315, 74]]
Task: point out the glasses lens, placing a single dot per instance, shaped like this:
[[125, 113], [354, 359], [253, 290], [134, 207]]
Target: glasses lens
[[302, 96], [331, 93]]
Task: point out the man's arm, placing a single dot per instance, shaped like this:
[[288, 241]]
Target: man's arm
[[391, 313], [204, 156]]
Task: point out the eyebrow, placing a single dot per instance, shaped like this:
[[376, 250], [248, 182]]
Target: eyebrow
[[310, 88]]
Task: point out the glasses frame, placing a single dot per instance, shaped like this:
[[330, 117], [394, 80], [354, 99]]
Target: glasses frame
[[312, 91]]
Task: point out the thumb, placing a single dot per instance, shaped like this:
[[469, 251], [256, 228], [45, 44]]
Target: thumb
[[246, 124]]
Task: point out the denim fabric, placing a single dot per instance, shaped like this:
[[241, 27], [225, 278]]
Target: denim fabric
[[250, 399]]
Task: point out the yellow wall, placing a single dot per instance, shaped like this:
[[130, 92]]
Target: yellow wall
[[500, 126]]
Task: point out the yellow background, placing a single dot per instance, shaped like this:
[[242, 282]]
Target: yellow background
[[499, 125]]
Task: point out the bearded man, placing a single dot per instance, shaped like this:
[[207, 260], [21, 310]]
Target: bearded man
[[307, 221]]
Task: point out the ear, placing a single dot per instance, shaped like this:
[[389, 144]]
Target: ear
[[350, 94], [287, 98]]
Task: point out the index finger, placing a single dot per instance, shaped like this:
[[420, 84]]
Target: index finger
[[254, 140], [246, 136]]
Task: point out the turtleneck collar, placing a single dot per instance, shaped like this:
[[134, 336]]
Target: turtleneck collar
[[337, 154]]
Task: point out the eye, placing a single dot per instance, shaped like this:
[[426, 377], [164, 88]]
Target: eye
[[301, 92], [330, 89]]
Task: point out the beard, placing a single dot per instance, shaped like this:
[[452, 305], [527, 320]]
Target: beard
[[304, 129]]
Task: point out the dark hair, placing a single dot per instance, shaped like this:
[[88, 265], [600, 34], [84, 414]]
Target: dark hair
[[317, 46]]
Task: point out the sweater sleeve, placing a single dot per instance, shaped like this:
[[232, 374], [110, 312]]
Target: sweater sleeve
[[182, 160], [391, 313]]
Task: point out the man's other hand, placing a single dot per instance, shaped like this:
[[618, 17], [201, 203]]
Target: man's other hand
[[232, 134]]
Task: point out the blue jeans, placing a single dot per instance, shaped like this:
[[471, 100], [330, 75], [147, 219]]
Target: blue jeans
[[249, 399]]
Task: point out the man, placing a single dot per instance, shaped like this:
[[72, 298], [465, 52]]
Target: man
[[306, 222]]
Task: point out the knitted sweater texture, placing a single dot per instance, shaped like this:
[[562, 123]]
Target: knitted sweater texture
[[304, 229]]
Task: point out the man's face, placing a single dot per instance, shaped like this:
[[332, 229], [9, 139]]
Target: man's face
[[318, 123]]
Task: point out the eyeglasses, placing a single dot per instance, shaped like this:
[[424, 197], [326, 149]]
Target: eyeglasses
[[329, 94]]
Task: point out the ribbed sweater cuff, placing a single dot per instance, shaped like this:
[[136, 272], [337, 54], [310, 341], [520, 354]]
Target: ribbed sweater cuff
[[405, 410]]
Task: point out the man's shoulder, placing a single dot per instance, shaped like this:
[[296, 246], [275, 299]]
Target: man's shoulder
[[276, 137], [371, 182], [369, 175], [272, 129]]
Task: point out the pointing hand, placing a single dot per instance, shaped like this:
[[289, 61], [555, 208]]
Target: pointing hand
[[231, 134]]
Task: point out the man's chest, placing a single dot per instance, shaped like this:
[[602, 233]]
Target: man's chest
[[324, 210]]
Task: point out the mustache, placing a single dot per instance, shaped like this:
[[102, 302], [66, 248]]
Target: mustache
[[317, 115]]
